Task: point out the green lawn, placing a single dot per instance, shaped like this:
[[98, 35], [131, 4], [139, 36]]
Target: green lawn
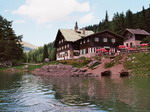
[[138, 63]]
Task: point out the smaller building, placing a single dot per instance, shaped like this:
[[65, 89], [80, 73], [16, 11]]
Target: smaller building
[[133, 37]]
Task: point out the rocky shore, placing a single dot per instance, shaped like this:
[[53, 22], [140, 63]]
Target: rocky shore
[[62, 70]]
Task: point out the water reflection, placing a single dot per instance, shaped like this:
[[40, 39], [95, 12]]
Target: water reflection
[[28, 93], [107, 94]]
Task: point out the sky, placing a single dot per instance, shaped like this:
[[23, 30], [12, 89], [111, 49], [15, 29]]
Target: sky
[[39, 20]]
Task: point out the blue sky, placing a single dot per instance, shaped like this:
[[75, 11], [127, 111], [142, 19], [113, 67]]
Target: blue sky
[[39, 20]]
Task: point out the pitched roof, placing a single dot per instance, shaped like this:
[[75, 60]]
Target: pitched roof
[[137, 31], [71, 35], [108, 32]]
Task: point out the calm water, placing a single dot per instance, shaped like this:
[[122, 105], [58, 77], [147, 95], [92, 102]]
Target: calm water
[[28, 93]]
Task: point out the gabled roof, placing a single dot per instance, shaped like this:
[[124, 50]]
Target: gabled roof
[[107, 32], [71, 35], [137, 31]]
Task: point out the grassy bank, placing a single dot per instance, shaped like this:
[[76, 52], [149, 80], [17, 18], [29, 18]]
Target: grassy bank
[[20, 68], [74, 62], [138, 63]]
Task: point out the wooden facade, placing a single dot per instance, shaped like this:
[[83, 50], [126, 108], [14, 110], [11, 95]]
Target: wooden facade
[[86, 45], [105, 39], [64, 49]]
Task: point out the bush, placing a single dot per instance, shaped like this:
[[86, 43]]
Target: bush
[[109, 65]]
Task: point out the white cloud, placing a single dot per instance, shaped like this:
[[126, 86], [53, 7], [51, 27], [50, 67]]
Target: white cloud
[[50, 10], [87, 18], [20, 21]]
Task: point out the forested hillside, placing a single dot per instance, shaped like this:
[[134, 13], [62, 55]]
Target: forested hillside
[[10, 48], [39, 54], [121, 21]]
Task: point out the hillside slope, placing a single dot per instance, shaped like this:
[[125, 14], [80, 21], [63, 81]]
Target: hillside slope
[[27, 46]]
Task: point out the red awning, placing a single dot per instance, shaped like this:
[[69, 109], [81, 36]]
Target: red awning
[[121, 46], [130, 49], [144, 45], [102, 50]]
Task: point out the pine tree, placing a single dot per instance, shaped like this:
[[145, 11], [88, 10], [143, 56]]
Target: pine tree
[[129, 19], [147, 20], [119, 23], [45, 52], [10, 47]]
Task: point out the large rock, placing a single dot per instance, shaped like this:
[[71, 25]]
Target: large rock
[[92, 63], [61, 70]]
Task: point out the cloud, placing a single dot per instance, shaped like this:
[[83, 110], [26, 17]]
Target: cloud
[[87, 18], [43, 11], [20, 21]]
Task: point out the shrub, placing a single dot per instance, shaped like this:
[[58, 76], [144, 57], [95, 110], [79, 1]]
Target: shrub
[[109, 65]]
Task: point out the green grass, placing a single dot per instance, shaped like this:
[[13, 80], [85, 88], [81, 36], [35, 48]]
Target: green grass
[[139, 65], [21, 67], [109, 65], [76, 62], [114, 61]]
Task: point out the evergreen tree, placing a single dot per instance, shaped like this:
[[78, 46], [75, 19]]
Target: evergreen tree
[[105, 25], [10, 47], [119, 23], [129, 19], [147, 21], [45, 52]]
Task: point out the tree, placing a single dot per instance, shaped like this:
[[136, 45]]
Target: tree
[[147, 20], [106, 22], [119, 23], [146, 40], [129, 19], [10, 47], [45, 52]]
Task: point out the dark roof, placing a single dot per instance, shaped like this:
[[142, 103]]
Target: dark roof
[[137, 31], [108, 32]]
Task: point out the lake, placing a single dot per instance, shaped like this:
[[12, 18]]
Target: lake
[[29, 93]]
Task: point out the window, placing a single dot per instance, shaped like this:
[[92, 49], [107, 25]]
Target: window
[[81, 42], [68, 45], [59, 42], [113, 40], [96, 39], [84, 51], [127, 45], [62, 47], [80, 51], [84, 41], [131, 45], [88, 40], [62, 40], [104, 39], [66, 54]]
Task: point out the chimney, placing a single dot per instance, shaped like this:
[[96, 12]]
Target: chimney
[[83, 31], [76, 27]]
